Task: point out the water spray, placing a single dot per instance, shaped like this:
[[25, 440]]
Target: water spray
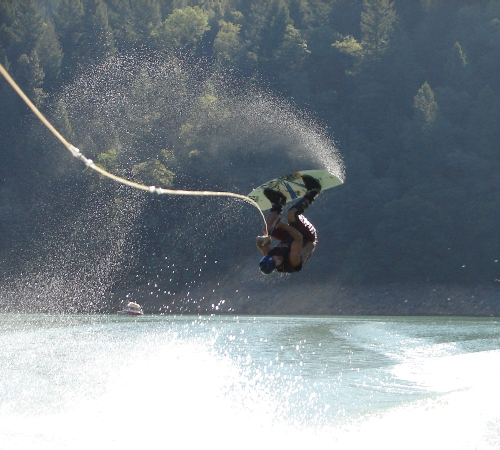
[[89, 163]]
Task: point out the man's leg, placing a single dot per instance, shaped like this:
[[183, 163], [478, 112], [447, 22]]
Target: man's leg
[[272, 219], [297, 209], [278, 200], [313, 190]]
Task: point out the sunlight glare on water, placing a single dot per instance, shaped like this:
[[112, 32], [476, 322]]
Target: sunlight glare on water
[[188, 382]]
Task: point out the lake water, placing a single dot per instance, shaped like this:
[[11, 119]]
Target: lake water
[[99, 381]]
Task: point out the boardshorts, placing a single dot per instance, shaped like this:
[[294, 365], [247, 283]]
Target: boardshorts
[[303, 226]]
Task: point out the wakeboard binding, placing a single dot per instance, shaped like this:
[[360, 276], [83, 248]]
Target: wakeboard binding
[[277, 199]]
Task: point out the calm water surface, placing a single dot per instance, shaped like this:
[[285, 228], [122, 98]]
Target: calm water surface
[[248, 382]]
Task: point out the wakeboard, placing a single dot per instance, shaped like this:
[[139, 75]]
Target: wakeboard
[[292, 186]]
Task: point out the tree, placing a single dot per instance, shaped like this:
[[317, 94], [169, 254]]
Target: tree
[[26, 28], [50, 52], [293, 50], [30, 76], [68, 19], [456, 68], [377, 26], [426, 108], [289, 64], [146, 19], [274, 28], [31, 31], [136, 23], [61, 119], [97, 38], [6, 12], [184, 28], [300, 13], [153, 173], [228, 43], [422, 140], [352, 47]]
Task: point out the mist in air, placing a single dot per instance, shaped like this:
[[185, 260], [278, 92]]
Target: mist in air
[[209, 130]]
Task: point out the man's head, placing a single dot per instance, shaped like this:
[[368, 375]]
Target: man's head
[[268, 263]]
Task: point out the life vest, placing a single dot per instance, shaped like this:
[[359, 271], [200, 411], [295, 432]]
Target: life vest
[[310, 238]]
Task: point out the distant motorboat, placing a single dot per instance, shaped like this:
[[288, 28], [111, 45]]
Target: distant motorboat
[[132, 309]]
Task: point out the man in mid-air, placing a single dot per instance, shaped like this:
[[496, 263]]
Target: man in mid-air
[[297, 238]]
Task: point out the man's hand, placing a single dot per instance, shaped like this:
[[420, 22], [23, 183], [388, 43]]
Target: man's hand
[[263, 241]]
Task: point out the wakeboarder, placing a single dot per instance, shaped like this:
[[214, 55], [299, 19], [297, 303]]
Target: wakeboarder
[[297, 239]]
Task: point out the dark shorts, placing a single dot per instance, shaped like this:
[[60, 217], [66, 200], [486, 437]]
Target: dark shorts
[[305, 228]]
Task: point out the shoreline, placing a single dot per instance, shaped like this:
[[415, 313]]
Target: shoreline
[[396, 299]]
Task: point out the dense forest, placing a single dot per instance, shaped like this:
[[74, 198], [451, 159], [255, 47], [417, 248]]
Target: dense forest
[[408, 92]]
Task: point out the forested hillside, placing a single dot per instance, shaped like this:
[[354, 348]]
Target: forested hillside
[[409, 91]]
